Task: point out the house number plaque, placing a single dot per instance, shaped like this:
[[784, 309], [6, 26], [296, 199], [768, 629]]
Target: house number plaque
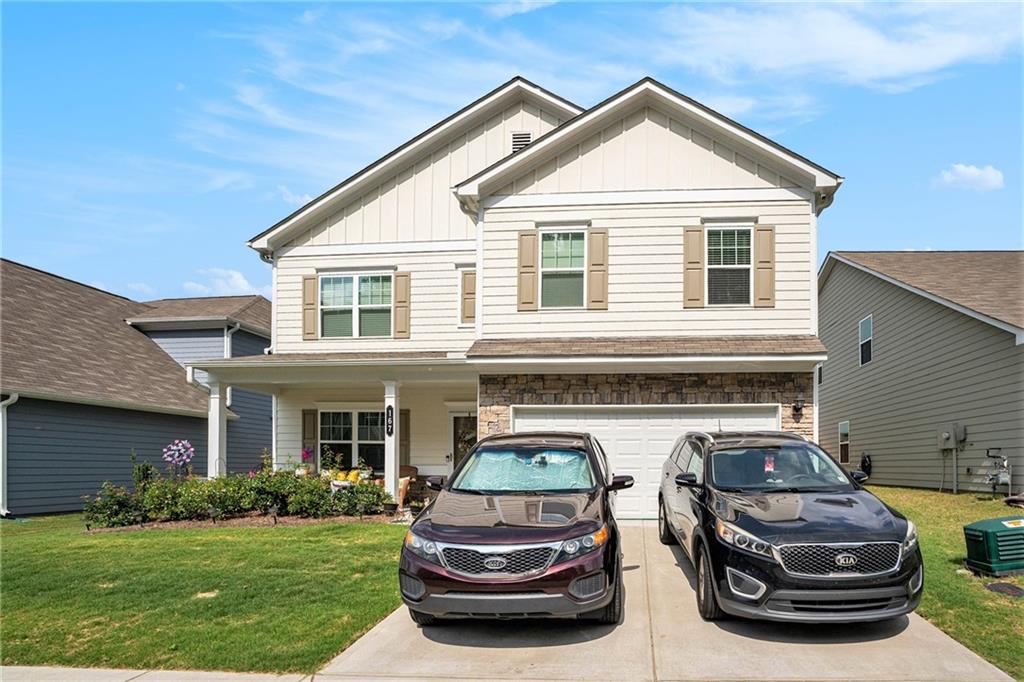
[[389, 421]]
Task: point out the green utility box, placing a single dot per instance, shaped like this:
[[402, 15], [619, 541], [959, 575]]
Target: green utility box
[[996, 546]]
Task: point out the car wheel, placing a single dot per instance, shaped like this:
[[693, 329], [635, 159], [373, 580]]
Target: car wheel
[[707, 603], [664, 532], [612, 614], [421, 618]]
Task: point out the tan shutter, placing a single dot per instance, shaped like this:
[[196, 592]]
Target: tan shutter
[[401, 305], [309, 435], [597, 269], [764, 266], [309, 295], [467, 306], [404, 451], [693, 267], [528, 270]]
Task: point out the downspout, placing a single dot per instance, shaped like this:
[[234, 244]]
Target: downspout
[[228, 333], [10, 400]]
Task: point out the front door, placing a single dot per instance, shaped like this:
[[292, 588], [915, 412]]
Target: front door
[[463, 435]]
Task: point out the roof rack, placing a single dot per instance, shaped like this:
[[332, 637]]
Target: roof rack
[[701, 434]]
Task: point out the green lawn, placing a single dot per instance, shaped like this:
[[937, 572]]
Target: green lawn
[[283, 598], [988, 623]]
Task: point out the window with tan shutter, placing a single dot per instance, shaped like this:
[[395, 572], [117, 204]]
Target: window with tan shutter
[[355, 305], [562, 269], [729, 266]]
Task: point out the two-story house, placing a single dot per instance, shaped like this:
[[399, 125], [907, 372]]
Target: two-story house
[[633, 270]]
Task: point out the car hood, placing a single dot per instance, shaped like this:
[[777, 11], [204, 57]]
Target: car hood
[[468, 518], [780, 518]]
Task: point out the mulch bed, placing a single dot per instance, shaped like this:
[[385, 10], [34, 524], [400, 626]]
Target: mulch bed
[[252, 520]]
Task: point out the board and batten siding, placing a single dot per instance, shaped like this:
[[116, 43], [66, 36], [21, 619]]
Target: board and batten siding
[[645, 272], [416, 203], [434, 301], [57, 452], [647, 149], [931, 366], [429, 432]]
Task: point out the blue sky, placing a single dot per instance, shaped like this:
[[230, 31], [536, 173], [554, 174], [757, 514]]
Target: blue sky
[[144, 143]]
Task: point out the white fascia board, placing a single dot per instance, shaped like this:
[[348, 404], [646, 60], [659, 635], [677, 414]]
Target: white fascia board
[[383, 248], [174, 323], [472, 189], [826, 269], [378, 172], [645, 359], [671, 196]]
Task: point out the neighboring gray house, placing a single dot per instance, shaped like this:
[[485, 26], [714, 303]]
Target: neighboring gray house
[[920, 343], [87, 376]]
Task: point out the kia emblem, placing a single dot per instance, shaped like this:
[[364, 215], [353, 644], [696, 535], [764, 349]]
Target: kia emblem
[[495, 563], [846, 560]]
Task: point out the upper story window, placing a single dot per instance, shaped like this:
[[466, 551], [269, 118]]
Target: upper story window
[[355, 305], [562, 269], [821, 373], [865, 331], [729, 280], [844, 442]]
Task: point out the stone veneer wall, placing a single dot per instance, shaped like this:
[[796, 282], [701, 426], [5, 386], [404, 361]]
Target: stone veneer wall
[[499, 392]]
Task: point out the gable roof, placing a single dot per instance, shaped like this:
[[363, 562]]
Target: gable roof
[[824, 181], [62, 340], [987, 285], [253, 312], [516, 87]]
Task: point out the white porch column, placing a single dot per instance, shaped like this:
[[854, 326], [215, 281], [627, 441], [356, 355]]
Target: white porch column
[[217, 431], [391, 438]]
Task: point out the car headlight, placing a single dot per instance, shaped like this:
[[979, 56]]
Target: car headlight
[[910, 541], [423, 548], [740, 539], [584, 544]]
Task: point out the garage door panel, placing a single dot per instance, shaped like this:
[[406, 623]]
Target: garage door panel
[[637, 440]]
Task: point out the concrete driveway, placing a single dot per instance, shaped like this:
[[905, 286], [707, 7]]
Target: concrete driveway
[[661, 638]]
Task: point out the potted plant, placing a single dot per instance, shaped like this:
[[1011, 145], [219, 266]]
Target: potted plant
[[307, 459]]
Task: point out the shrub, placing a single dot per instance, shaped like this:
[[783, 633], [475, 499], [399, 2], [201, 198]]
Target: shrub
[[114, 505], [160, 498], [361, 499], [193, 499], [311, 496], [271, 488], [143, 473], [232, 495]]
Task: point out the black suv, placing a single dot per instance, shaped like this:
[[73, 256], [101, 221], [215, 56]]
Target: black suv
[[777, 530]]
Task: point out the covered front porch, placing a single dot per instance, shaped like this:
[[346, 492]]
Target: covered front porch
[[391, 418]]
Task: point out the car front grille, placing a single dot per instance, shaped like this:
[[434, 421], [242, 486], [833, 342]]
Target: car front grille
[[516, 562], [840, 559]]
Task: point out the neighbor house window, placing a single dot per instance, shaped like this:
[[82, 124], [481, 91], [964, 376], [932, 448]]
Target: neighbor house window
[[348, 437], [729, 266], [844, 442], [562, 269], [865, 331], [821, 373], [355, 305]]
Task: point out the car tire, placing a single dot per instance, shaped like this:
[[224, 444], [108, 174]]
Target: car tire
[[422, 619], [707, 602], [612, 613], [664, 532]]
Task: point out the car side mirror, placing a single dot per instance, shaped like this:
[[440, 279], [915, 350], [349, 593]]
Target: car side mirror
[[620, 483], [687, 479], [435, 482], [859, 476]]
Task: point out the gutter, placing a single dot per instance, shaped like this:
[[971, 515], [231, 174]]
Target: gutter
[[228, 333], [10, 400]]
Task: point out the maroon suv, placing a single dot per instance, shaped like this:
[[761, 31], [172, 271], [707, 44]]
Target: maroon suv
[[523, 528]]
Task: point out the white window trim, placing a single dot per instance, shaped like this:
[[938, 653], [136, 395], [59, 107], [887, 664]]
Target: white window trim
[[749, 227], [355, 307], [861, 342], [839, 433], [541, 270], [354, 442]]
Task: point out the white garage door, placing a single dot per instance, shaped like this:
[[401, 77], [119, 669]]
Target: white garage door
[[638, 439]]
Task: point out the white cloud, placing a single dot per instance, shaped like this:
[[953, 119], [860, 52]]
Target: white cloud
[[223, 282], [179, 86], [967, 176], [290, 197], [139, 289], [501, 10]]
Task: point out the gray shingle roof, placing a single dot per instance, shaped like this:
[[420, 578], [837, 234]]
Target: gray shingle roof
[[666, 346], [251, 310], [988, 282]]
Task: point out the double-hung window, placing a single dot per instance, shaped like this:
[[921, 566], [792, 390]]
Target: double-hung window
[[562, 269], [355, 305], [865, 331], [729, 279], [844, 442], [346, 437]]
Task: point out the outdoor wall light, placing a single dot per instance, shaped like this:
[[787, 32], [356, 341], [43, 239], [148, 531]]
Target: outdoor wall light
[[798, 406]]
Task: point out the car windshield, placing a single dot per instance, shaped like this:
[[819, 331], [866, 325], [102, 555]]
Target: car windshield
[[792, 468], [532, 470]]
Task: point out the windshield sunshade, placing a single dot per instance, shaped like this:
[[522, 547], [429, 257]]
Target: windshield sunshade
[[526, 470]]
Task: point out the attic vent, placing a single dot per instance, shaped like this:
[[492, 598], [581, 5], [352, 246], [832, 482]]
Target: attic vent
[[520, 140]]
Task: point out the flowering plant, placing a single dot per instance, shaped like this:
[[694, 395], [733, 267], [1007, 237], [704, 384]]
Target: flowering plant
[[179, 452], [307, 454]]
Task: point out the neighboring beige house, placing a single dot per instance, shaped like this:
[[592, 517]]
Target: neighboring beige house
[[920, 343], [633, 270]]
